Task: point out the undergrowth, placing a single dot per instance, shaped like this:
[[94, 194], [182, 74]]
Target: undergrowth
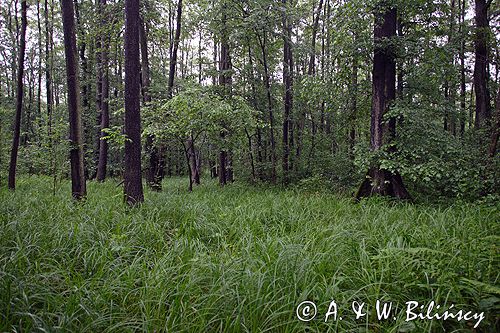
[[238, 259]]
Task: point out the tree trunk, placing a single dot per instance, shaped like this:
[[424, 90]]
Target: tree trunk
[[225, 82], [288, 84], [463, 111], [496, 128], [133, 192], [103, 144], [153, 176], [74, 107], [483, 112], [173, 59], [48, 71], [354, 104], [19, 98], [378, 180]]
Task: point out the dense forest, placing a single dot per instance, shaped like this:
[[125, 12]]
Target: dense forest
[[230, 119], [261, 91]]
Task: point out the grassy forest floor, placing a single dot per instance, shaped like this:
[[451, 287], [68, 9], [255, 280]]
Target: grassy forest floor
[[238, 259]]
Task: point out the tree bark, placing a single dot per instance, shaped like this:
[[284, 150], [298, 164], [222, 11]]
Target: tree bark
[[378, 180], [288, 84], [225, 80], [74, 107], [19, 97], [483, 112], [133, 191], [173, 59], [104, 96]]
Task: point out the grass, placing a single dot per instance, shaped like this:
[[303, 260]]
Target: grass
[[238, 259]]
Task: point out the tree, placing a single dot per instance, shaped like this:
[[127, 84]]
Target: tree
[[288, 84], [225, 80], [132, 175], [78, 186], [379, 180], [19, 98], [483, 109], [104, 96]]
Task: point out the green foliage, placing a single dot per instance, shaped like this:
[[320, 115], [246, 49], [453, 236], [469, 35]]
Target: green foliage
[[237, 260]]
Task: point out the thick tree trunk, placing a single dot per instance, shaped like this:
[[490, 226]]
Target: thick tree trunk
[[19, 98], [378, 180], [103, 144], [133, 191], [74, 107], [483, 112]]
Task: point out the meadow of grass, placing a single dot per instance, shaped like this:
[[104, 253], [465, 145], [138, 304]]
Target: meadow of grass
[[238, 259]]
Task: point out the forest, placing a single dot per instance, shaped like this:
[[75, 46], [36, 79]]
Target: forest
[[249, 165]]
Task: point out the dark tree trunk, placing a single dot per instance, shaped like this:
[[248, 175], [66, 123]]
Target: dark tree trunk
[[378, 180], [173, 59], [267, 84], [40, 51], [74, 107], [463, 111], [133, 192], [312, 60], [483, 112], [354, 104], [496, 128], [48, 71], [19, 97], [225, 80], [153, 176], [288, 84], [103, 144]]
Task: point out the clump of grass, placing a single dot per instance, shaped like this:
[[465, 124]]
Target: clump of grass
[[238, 259]]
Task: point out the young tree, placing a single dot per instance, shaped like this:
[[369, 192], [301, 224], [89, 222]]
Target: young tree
[[19, 98], [132, 175], [381, 181], [74, 106]]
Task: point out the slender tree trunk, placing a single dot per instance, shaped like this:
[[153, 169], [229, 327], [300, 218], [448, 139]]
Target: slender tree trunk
[[133, 191], [288, 84], [40, 51], [153, 175], [225, 82], [483, 112], [354, 104], [103, 144], [463, 111], [19, 98], [312, 61], [74, 107], [496, 128], [267, 84], [48, 71], [173, 59]]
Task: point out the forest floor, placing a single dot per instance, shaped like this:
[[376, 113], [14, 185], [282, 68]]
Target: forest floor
[[239, 259]]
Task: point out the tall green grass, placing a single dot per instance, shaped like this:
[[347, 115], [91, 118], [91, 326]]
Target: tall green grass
[[238, 259]]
